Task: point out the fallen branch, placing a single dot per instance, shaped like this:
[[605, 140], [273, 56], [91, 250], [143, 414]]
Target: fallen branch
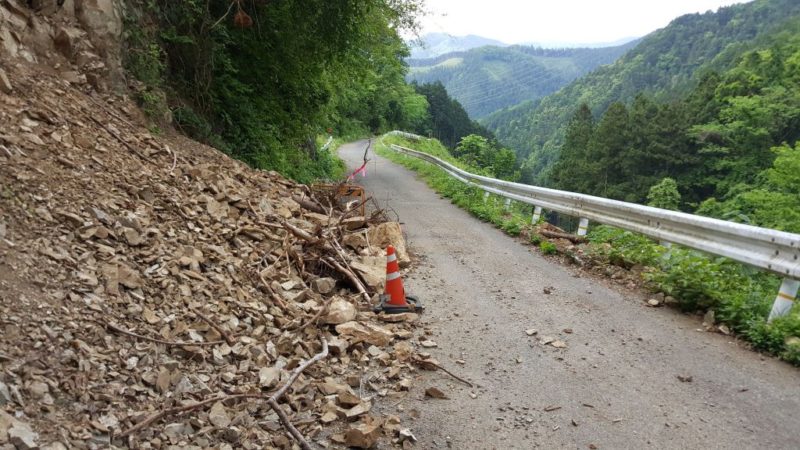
[[225, 335], [351, 276], [113, 327], [309, 205], [119, 138], [427, 364], [556, 235], [301, 441], [182, 409]]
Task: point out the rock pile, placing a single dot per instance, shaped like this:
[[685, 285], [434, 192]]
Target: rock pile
[[155, 293]]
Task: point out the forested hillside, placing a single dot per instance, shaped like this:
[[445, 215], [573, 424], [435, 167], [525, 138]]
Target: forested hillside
[[486, 79], [731, 143], [665, 65], [261, 79], [448, 121]]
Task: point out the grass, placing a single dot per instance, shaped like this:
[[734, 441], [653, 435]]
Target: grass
[[740, 296]]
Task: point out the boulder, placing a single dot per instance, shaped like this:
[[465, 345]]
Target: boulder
[[389, 233], [340, 311], [372, 270]]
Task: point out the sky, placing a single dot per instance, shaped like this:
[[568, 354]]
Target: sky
[[558, 21]]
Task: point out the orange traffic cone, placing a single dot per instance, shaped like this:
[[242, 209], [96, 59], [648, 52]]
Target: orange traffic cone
[[394, 300]]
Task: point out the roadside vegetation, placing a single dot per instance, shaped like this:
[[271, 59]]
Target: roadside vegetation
[[739, 296]]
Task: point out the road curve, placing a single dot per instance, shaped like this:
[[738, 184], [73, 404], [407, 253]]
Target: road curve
[[616, 383]]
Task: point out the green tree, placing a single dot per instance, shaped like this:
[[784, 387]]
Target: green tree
[[664, 195], [574, 169]]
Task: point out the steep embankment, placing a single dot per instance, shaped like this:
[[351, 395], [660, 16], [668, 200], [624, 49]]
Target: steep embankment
[[488, 78], [155, 292], [664, 64]]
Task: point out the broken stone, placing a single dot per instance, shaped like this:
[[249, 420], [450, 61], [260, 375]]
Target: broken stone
[[355, 241], [323, 285], [348, 399], [558, 344], [372, 270], [428, 343], [5, 84], [435, 392], [339, 312], [365, 332], [389, 233], [405, 434], [401, 317], [268, 377], [17, 433], [362, 435], [653, 302], [218, 415], [358, 410], [531, 331]]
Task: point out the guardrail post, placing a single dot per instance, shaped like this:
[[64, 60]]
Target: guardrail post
[[785, 299], [537, 214], [583, 226], [485, 196], [508, 204]]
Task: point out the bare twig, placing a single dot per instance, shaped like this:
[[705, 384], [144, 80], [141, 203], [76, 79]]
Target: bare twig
[[301, 441], [118, 137], [113, 327], [225, 335], [182, 409], [427, 364], [349, 274]]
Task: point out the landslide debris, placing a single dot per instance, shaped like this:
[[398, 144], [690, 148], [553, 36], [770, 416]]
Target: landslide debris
[[156, 293]]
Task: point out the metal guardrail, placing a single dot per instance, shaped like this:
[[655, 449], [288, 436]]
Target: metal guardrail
[[771, 250]]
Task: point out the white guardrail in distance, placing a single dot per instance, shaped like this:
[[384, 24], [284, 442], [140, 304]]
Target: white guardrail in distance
[[771, 250]]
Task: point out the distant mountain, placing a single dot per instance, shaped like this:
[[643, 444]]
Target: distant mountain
[[665, 64], [489, 78], [567, 44], [435, 44]]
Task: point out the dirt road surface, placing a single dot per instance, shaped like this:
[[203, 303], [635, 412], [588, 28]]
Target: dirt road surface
[[615, 385]]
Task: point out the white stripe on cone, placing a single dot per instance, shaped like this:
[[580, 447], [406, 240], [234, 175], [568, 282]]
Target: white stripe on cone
[[392, 276], [390, 258]]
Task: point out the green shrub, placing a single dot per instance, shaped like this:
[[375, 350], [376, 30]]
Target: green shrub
[[535, 239], [548, 248]]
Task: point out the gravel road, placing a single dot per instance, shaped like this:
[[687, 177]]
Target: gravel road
[[615, 385]]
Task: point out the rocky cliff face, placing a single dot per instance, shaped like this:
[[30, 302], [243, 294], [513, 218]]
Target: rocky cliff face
[[78, 38]]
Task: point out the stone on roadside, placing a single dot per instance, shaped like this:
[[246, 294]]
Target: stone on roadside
[[365, 332], [434, 392], [362, 435], [390, 233]]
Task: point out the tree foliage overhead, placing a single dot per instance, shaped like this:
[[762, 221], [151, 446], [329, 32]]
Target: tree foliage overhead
[[262, 91]]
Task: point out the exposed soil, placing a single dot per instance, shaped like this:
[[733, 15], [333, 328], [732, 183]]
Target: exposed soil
[[602, 370]]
